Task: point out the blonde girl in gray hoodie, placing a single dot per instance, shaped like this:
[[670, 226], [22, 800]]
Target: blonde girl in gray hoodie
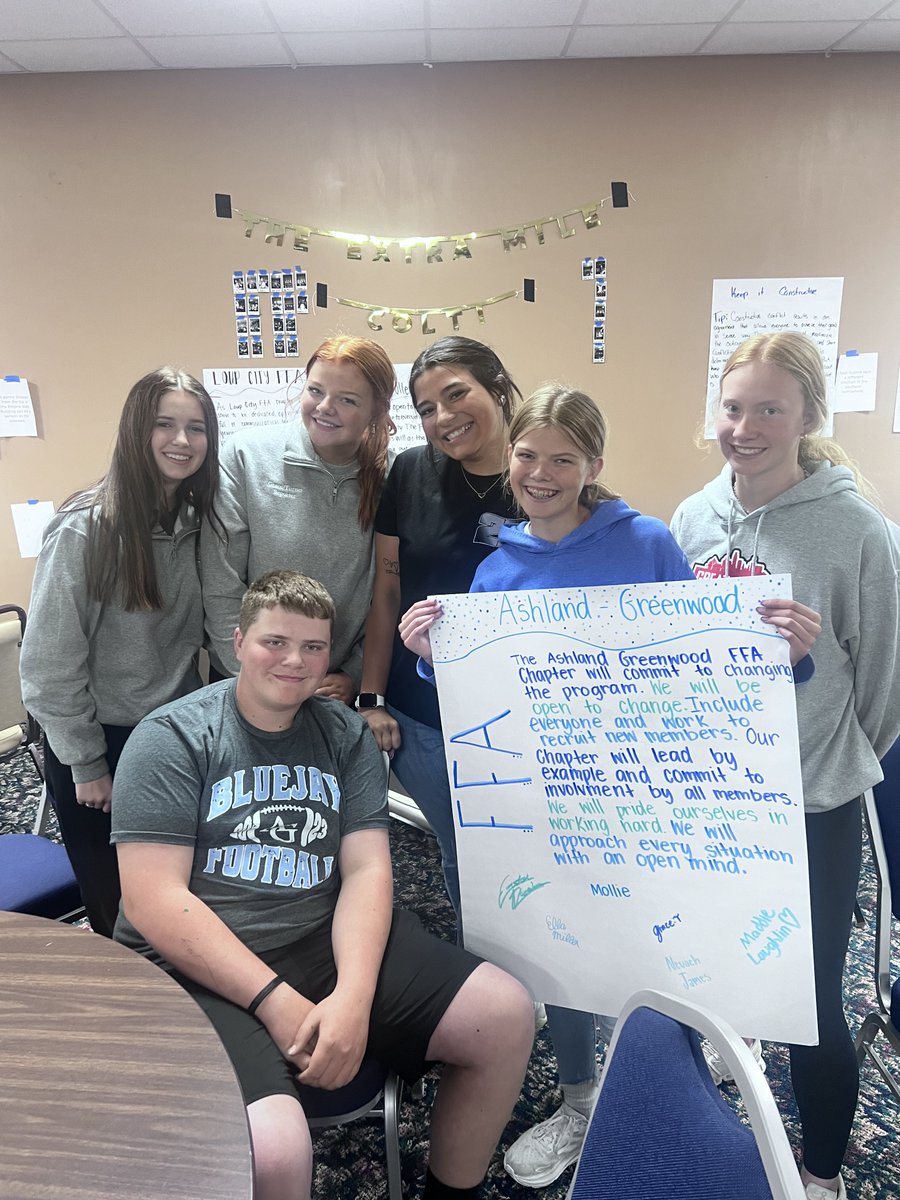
[[789, 501]]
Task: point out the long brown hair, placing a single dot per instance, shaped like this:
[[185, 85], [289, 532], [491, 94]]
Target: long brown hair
[[126, 504], [369, 358]]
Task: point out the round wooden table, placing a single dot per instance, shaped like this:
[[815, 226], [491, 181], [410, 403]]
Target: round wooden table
[[113, 1084]]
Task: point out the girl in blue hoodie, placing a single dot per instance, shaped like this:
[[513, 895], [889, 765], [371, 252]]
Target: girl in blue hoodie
[[578, 533]]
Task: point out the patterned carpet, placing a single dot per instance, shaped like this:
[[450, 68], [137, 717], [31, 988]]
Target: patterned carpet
[[349, 1159]]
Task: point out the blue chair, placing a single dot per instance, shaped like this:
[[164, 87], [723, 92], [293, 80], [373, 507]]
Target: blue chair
[[35, 875], [375, 1092], [660, 1129], [882, 811]]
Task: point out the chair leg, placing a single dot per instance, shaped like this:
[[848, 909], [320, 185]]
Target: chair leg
[[393, 1088], [42, 816], [868, 1031]]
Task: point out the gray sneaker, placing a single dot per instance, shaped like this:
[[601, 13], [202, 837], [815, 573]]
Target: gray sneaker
[[542, 1153], [719, 1068]]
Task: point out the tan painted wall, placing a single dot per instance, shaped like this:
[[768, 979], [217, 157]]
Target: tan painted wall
[[113, 261]]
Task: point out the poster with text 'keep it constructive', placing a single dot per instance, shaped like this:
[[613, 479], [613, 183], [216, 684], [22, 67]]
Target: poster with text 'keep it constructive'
[[625, 777]]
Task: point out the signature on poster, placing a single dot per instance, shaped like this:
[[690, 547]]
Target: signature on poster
[[514, 891]]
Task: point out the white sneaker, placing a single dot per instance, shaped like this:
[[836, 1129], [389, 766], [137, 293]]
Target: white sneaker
[[720, 1070], [815, 1191], [542, 1153]]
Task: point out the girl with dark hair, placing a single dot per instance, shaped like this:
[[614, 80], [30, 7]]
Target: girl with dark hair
[[788, 500], [304, 496], [440, 515], [116, 619]]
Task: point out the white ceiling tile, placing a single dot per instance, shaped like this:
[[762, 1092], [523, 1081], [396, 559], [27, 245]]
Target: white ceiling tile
[[223, 50], [785, 37], [637, 41], [654, 12], [877, 35], [8, 67], [499, 14], [81, 54], [166, 18], [22, 20], [327, 16], [495, 45], [348, 48], [891, 13], [806, 10]]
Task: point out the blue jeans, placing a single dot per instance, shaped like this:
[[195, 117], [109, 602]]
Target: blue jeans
[[574, 1037], [420, 766]]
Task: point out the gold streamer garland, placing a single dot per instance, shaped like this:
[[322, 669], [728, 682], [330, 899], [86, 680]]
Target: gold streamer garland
[[432, 245], [402, 318]]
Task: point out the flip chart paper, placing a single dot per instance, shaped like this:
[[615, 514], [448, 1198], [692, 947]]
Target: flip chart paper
[[246, 397], [744, 307], [625, 777]]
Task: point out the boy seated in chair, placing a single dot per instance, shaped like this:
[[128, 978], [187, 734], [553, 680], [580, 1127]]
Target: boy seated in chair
[[250, 820]]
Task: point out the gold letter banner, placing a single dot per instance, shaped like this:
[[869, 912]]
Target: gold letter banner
[[433, 247], [402, 318]]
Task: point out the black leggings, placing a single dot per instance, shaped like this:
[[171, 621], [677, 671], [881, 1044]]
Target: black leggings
[[826, 1077], [85, 832]]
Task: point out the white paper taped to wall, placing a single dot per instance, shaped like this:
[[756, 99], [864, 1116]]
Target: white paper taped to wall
[[30, 520], [16, 409]]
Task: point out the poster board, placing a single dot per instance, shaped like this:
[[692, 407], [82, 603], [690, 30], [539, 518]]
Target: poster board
[[625, 776], [744, 307], [248, 396]]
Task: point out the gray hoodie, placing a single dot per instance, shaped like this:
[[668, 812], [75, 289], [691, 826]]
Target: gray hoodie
[[841, 556], [86, 664], [284, 508]]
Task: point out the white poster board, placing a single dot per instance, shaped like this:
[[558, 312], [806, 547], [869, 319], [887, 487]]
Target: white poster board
[[625, 775], [409, 426], [248, 396], [744, 307]]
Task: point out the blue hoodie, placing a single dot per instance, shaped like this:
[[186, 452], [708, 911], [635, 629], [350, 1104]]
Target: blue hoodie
[[616, 544]]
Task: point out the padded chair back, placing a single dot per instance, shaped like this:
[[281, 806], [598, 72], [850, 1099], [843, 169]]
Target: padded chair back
[[36, 877], [660, 1129]]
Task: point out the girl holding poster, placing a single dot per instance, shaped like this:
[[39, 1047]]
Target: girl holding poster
[[578, 534], [116, 620], [442, 509], [789, 501]]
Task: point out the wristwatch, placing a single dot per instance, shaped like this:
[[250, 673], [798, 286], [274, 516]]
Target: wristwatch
[[369, 700]]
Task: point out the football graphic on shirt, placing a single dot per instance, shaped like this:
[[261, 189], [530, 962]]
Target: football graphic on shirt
[[282, 824]]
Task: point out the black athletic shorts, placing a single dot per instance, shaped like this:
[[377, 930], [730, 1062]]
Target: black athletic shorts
[[419, 977]]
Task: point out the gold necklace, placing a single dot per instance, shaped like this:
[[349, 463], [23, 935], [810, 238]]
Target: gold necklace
[[480, 495]]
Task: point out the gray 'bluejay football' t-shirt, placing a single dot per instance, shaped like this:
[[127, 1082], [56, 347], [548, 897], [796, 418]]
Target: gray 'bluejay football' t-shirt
[[263, 812]]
